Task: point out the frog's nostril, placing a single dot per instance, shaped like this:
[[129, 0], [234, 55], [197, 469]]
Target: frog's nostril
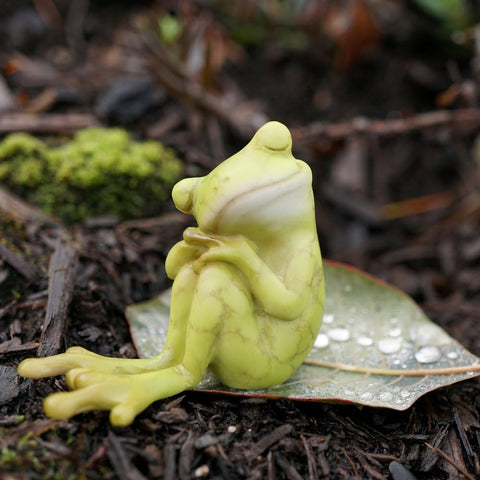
[[274, 136]]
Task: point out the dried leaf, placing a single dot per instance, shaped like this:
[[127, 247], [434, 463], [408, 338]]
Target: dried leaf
[[375, 347]]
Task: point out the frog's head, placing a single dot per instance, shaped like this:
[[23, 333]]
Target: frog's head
[[262, 187]]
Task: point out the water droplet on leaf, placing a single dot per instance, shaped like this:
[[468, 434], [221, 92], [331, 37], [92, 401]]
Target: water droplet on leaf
[[365, 341], [386, 396], [339, 334], [428, 354], [429, 334], [389, 345], [328, 318], [395, 332], [321, 341], [366, 395]]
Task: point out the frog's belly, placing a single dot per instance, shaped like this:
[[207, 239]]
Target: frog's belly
[[254, 350], [251, 355]]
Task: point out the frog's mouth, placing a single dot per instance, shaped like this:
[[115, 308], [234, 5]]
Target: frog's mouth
[[268, 202]]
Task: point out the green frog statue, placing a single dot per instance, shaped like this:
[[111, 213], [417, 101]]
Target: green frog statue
[[247, 296]]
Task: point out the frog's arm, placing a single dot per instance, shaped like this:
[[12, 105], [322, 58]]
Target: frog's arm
[[266, 286], [181, 254]]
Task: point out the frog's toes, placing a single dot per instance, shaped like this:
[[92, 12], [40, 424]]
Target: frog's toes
[[64, 405], [77, 350], [122, 398], [124, 414], [83, 377]]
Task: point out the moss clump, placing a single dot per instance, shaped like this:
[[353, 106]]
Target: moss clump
[[100, 172]]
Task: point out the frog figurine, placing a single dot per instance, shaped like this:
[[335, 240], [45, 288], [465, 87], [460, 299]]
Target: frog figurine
[[247, 295]]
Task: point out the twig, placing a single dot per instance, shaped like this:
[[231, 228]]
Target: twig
[[290, 471], [170, 459], [22, 211], [74, 27], [62, 274], [468, 117], [23, 347], [18, 263], [445, 457], [463, 436], [176, 80], [46, 123], [268, 440], [312, 466], [120, 460]]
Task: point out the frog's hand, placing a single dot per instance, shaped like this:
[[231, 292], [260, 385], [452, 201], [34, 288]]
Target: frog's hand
[[180, 255], [270, 291], [78, 357]]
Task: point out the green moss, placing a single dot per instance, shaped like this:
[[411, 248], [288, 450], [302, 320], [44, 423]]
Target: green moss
[[100, 172]]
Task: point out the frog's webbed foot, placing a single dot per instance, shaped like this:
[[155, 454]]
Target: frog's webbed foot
[[78, 357], [124, 395]]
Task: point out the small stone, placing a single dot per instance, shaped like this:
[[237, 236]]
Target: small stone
[[201, 471], [127, 99]]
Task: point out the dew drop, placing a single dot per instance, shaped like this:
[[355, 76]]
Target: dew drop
[[393, 320], [395, 332], [339, 334], [386, 396], [366, 395], [452, 355], [365, 341], [404, 393], [328, 318], [396, 361], [321, 341], [389, 345], [429, 334], [428, 354]]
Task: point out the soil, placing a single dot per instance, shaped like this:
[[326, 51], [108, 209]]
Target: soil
[[382, 104]]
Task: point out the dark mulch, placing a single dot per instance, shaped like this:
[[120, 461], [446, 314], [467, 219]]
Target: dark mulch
[[63, 286]]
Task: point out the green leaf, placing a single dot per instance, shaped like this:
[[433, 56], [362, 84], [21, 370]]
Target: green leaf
[[375, 347]]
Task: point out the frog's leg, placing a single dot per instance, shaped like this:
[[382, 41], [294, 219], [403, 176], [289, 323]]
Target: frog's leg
[[128, 395], [77, 358]]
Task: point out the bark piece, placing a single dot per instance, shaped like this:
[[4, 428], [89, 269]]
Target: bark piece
[[62, 273]]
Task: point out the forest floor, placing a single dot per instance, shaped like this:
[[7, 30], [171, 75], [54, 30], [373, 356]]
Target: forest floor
[[384, 107]]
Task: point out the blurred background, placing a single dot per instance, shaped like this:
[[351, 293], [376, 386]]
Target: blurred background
[[381, 96]]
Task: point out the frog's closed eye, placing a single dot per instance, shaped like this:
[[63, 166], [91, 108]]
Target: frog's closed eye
[[274, 137]]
